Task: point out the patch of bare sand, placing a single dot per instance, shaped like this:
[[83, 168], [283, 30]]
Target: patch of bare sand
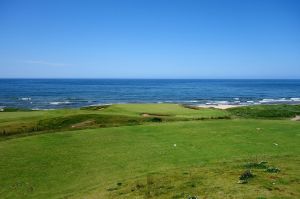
[[153, 115], [219, 106], [297, 118]]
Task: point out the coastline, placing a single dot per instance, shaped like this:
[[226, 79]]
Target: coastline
[[221, 106]]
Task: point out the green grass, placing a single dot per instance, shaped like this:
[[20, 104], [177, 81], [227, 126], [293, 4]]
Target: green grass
[[141, 161], [11, 109], [163, 109], [16, 123], [266, 111]]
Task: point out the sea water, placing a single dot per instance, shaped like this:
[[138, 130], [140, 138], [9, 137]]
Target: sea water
[[63, 93]]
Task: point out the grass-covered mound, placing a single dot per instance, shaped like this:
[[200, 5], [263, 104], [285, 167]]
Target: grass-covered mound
[[266, 111], [18, 122], [12, 109]]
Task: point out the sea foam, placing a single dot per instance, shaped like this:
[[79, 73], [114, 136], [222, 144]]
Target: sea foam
[[60, 103]]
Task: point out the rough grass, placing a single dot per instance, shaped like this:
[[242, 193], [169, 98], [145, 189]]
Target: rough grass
[[142, 161], [94, 108], [213, 181], [14, 123], [266, 111], [175, 110], [12, 109], [73, 122]]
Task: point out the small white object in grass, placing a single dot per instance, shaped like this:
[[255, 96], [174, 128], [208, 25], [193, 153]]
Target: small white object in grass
[[258, 129], [174, 145], [275, 144]]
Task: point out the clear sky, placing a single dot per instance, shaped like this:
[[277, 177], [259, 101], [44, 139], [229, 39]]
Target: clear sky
[[150, 39]]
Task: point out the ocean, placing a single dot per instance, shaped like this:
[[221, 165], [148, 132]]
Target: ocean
[[66, 93]]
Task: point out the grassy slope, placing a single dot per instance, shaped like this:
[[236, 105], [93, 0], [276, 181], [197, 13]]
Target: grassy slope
[[90, 161], [206, 161], [12, 123], [164, 109]]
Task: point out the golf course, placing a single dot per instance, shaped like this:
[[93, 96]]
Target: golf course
[[150, 151]]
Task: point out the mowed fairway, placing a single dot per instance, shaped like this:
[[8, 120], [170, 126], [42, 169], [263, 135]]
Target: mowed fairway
[[177, 159]]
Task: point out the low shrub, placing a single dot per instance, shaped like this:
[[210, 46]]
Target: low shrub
[[272, 170], [256, 165]]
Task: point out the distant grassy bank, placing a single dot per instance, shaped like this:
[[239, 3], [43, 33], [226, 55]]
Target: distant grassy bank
[[151, 151], [282, 111], [14, 121]]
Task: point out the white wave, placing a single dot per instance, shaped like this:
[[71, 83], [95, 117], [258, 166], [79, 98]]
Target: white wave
[[283, 100], [42, 109], [279, 100], [272, 100], [60, 103], [105, 104], [295, 99], [217, 103], [25, 98], [192, 101], [222, 102], [266, 100]]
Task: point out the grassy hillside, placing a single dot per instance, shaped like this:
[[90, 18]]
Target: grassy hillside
[[178, 159], [31, 122], [174, 110]]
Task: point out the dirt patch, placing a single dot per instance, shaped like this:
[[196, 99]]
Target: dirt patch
[[84, 124]]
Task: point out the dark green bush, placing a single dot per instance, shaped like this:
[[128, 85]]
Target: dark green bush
[[246, 175], [272, 170], [256, 165]]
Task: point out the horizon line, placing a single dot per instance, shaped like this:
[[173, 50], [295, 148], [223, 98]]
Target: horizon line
[[149, 78]]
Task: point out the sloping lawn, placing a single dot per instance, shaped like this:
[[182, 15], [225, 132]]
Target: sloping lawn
[[159, 160]]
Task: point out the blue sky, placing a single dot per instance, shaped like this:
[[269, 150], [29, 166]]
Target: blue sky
[[150, 39]]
